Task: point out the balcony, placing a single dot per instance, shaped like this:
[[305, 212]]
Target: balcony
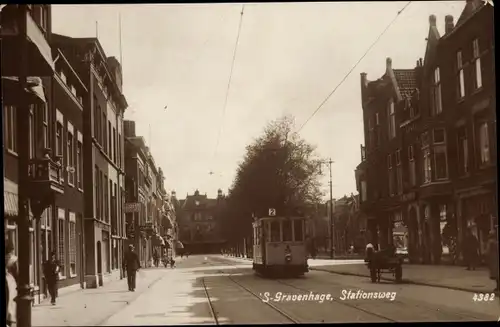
[[39, 61], [46, 176]]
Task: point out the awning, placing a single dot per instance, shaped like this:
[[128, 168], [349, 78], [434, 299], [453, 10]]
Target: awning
[[10, 204], [12, 90]]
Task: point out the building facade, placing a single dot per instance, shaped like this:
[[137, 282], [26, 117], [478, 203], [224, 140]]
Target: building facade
[[103, 150], [199, 223], [430, 155], [54, 137]]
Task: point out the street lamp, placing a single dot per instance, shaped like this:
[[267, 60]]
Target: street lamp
[[329, 162]]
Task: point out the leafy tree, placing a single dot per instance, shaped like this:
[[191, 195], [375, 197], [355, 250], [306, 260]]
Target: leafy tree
[[280, 170]]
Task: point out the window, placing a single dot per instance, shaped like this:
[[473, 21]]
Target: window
[[411, 155], [110, 147], [413, 173], [440, 161], [389, 161], [363, 191], [104, 138], [63, 77], [377, 121], [399, 172], [436, 103], [425, 139], [439, 136], [427, 165], [70, 155], [10, 128], [45, 126], [114, 145], [275, 231], [461, 78], [97, 193], [478, 80], [31, 132], [106, 198], [59, 139], [119, 150], [79, 162], [298, 230], [96, 119], [61, 231], [484, 143], [392, 120], [463, 152], [72, 244], [391, 175], [287, 230]]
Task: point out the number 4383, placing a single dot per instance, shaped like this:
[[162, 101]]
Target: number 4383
[[483, 297]]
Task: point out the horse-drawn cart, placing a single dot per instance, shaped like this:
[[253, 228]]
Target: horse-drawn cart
[[384, 261]]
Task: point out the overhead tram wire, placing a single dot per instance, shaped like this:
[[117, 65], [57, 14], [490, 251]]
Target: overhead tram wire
[[228, 85], [354, 67]]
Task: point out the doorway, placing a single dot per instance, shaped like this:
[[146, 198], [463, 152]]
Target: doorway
[[99, 262]]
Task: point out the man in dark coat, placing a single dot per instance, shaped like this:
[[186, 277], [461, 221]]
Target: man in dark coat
[[471, 250], [131, 264], [51, 273]]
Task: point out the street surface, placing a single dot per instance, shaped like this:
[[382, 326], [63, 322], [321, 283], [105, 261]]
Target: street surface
[[178, 296]]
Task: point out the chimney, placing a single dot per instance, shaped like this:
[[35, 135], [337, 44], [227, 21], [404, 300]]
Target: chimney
[[448, 26], [363, 79], [388, 63], [129, 128], [432, 20]]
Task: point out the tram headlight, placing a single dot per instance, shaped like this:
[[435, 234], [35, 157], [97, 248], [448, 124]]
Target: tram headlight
[[288, 257]]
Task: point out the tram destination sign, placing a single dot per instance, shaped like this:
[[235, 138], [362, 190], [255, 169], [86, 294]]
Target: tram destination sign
[[272, 212]]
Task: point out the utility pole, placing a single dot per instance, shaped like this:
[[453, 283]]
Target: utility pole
[[24, 297], [329, 162]]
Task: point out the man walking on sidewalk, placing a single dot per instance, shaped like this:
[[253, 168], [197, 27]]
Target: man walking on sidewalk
[[51, 273], [131, 264]]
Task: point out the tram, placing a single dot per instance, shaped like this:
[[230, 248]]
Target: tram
[[279, 246]]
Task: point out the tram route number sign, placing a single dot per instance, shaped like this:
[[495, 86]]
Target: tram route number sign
[[272, 212]]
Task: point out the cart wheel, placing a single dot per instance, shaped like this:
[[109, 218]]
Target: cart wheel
[[373, 275], [399, 274]]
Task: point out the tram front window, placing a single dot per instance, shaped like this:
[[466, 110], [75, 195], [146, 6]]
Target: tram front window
[[298, 231], [287, 231], [275, 231]]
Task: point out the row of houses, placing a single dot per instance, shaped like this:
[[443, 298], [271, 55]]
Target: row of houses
[[429, 158], [99, 172]]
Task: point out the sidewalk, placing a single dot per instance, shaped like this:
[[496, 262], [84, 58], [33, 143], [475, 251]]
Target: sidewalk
[[452, 277], [444, 276], [90, 307]]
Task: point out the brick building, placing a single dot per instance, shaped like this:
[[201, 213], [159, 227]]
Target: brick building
[[430, 155], [199, 222], [54, 134], [103, 149]]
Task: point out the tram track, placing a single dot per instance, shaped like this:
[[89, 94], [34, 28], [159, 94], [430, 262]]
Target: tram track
[[414, 303], [447, 313], [293, 320], [249, 291]]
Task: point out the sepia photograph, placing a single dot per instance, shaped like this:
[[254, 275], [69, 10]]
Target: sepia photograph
[[249, 163]]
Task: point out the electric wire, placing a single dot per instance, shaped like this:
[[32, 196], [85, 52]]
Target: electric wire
[[229, 83], [354, 67]]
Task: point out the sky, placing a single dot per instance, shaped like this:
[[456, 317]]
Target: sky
[[290, 56]]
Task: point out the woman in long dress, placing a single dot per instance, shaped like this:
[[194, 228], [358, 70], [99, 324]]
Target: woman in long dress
[[11, 271]]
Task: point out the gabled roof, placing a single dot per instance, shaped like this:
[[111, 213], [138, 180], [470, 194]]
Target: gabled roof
[[406, 80], [470, 9], [432, 41]]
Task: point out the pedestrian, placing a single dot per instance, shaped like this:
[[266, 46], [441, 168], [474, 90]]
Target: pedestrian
[[51, 273], [471, 250], [11, 273], [131, 265], [156, 258], [493, 257]]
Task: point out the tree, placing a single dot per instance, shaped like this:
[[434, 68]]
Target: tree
[[280, 170]]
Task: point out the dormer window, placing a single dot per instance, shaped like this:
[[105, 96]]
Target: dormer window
[[436, 101]]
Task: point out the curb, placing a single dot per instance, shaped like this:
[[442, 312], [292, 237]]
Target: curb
[[405, 281]]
